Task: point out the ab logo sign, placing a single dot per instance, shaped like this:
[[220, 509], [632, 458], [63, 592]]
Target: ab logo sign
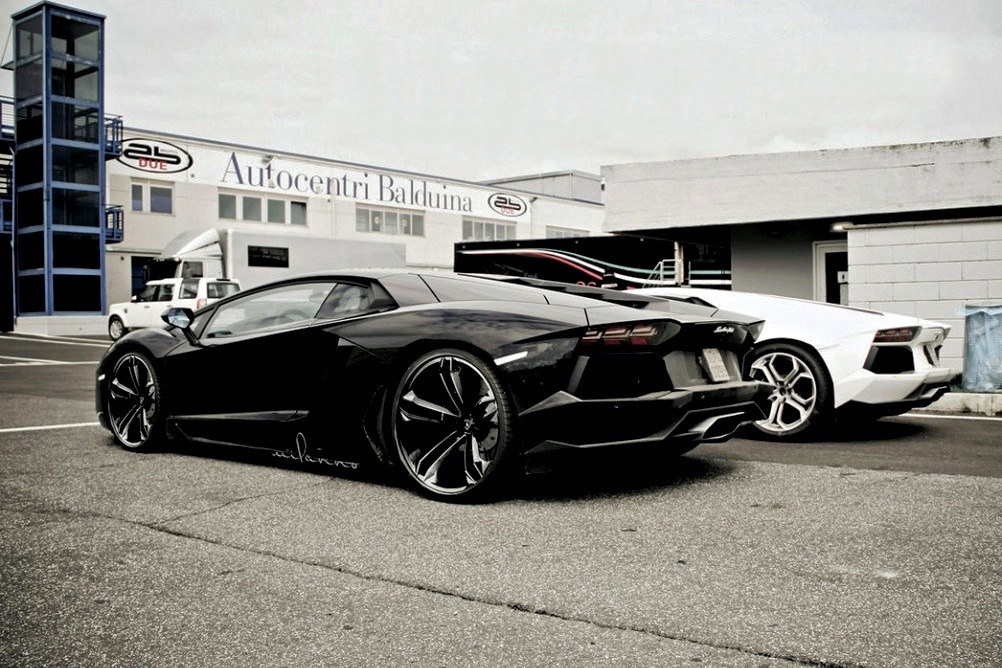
[[507, 205], [153, 155]]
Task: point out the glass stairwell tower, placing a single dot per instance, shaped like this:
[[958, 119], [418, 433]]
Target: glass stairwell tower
[[61, 142]]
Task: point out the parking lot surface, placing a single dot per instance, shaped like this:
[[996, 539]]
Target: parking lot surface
[[879, 547]]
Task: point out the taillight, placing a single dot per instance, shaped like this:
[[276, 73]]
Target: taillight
[[199, 303], [896, 335], [640, 334]]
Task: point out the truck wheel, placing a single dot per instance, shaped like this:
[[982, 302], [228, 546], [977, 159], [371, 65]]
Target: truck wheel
[[116, 328]]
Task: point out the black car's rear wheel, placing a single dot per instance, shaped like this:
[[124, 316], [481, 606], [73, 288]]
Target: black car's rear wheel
[[800, 402], [134, 401], [451, 425]]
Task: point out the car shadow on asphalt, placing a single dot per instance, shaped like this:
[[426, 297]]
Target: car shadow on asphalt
[[580, 475], [846, 431], [619, 473], [357, 468]]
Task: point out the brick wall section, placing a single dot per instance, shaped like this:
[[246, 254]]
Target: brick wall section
[[929, 270]]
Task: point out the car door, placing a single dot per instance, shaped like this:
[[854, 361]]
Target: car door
[[260, 361], [149, 306]]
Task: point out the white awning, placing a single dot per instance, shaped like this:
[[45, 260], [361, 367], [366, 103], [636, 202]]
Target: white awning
[[193, 243]]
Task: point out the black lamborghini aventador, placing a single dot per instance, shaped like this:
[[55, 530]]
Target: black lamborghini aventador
[[453, 380]]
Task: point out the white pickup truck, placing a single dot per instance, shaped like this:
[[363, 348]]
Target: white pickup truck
[[145, 308]]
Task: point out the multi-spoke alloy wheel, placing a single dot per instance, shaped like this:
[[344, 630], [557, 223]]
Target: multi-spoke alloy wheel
[[451, 424], [800, 392], [133, 401]]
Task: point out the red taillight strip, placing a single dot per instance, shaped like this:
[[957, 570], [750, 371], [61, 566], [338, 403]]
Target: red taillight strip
[[637, 335], [896, 335]]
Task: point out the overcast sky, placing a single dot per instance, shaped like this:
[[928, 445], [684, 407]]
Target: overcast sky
[[476, 89]]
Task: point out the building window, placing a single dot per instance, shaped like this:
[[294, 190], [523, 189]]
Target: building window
[[272, 210], [161, 200], [297, 213], [388, 221], [563, 233], [152, 197], [227, 206], [487, 230], [252, 208], [276, 211]]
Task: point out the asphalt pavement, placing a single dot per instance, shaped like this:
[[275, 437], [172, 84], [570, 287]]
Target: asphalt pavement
[[735, 555]]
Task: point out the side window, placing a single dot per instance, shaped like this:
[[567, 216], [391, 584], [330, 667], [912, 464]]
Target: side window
[[189, 288], [148, 294], [345, 300], [349, 299], [215, 290], [166, 293], [269, 309]]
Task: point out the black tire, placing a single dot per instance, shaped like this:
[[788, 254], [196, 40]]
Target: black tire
[[116, 328], [452, 426], [134, 402], [801, 403]]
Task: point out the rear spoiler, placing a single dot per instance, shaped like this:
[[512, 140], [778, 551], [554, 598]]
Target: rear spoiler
[[664, 304], [621, 297]]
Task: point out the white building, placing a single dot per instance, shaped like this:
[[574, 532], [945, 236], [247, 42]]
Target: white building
[[915, 229], [168, 184]]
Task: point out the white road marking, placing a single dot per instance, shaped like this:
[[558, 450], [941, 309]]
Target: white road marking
[[32, 361], [24, 359], [62, 342], [951, 416], [10, 430]]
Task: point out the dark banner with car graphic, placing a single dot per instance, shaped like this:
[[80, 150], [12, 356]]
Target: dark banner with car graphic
[[618, 262]]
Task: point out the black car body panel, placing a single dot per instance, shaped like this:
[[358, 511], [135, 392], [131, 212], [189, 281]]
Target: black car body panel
[[318, 388]]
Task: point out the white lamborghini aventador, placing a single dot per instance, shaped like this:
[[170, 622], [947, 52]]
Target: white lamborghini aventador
[[826, 360]]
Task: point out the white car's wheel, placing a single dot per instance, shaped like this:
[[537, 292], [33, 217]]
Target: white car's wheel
[[800, 402], [116, 328]]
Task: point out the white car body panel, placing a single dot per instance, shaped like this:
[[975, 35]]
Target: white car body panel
[[140, 314], [842, 336]]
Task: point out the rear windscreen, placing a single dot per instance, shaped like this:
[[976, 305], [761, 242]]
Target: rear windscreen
[[220, 290], [449, 289]]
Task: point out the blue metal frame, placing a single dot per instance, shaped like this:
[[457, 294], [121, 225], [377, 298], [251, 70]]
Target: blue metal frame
[[108, 137]]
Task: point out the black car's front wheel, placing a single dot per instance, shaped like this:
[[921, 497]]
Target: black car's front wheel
[[452, 425], [133, 400], [800, 402]]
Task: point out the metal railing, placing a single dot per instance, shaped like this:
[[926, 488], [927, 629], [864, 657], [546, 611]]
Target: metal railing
[[6, 217], [7, 118], [112, 136], [663, 273], [114, 224]]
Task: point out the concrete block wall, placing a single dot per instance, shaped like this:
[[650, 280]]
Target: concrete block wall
[[930, 270]]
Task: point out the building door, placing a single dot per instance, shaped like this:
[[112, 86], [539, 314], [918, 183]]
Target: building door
[[141, 273], [831, 270]]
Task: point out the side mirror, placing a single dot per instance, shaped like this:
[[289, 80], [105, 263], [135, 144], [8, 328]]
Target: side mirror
[[181, 318]]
